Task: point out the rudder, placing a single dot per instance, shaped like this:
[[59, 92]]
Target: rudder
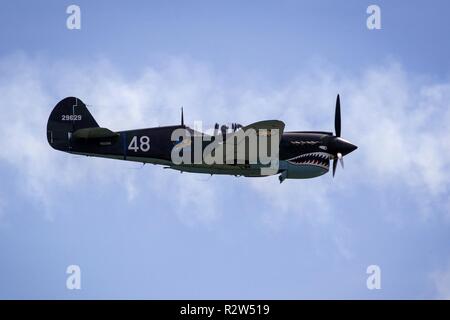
[[68, 116]]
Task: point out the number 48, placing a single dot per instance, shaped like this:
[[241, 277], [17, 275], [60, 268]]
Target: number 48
[[144, 144]]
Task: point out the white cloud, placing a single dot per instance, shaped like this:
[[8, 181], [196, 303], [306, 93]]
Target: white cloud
[[441, 280], [201, 196], [399, 121], [290, 198]]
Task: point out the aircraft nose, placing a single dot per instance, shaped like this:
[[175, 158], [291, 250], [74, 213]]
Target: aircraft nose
[[346, 147], [342, 146]]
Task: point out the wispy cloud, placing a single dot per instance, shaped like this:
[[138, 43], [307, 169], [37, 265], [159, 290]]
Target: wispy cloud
[[398, 120], [441, 280]]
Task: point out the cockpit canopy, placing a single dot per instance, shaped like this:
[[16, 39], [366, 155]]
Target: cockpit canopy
[[218, 128], [226, 128]]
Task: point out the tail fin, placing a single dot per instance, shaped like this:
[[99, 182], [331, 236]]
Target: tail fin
[[68, 116]]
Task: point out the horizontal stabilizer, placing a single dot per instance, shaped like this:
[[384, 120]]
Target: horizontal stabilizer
[[94, 133]]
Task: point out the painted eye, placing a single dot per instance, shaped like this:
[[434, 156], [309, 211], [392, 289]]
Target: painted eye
[[323, 147]]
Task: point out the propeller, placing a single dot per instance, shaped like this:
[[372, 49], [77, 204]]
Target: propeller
[[334, 166], [337, 117], [337, 146], [182, 117], [340, 157]]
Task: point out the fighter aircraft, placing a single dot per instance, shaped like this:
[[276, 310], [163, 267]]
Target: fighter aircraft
[[300, 154]]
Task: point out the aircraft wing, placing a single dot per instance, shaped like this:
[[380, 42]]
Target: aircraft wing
[[267, 124], [261, 128]]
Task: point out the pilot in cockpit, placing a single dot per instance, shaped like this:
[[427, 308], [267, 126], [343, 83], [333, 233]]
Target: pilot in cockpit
[[224, 128]]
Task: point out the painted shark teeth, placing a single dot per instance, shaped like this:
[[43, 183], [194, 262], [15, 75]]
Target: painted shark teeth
[[319, 159]]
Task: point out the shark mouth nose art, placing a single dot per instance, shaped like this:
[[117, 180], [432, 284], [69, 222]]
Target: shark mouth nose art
[[318, 159]]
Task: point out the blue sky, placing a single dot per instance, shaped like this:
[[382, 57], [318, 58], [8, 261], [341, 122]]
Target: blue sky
[[145, 232]]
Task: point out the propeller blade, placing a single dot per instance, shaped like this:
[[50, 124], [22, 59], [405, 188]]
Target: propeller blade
[[341, 159], [337, 117], [182, 117], [334, 166]]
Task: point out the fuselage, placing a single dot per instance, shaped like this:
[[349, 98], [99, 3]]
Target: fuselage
[[301, 154], [298, 154]]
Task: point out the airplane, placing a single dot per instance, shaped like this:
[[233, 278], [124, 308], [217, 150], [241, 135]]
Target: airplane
[[300, 154]]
